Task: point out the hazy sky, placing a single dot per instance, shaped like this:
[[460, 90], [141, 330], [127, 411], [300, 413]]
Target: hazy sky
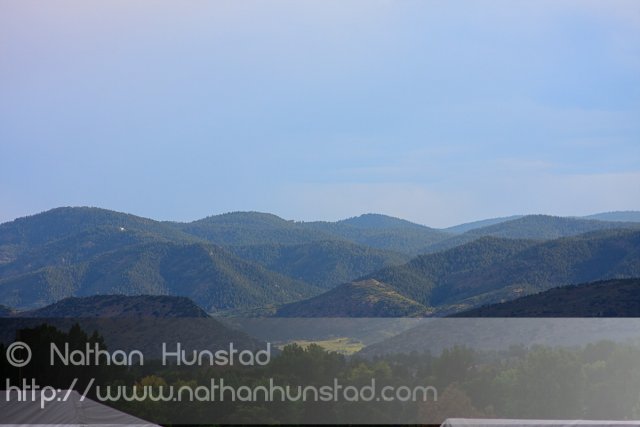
[[436, 111]]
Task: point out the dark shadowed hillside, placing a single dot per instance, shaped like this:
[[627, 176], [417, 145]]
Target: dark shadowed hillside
[[608, 298], [160, 306], [140, 322]]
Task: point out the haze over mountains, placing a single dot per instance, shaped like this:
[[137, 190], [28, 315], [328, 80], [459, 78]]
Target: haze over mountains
[[372, 265]]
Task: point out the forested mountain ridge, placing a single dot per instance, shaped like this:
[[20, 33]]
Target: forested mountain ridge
[[544, 227], [79, 247], [619, 216], [494, 269], [420, 277], [568, 260], [535, 227], [212, 277], [323, 263], [250, 228], [27, 233], [62, 222], [256, 228], [484, 271], [382, 232]]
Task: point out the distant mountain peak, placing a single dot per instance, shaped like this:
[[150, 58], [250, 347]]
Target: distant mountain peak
[[374, 220], [253, 217], [616, 216]]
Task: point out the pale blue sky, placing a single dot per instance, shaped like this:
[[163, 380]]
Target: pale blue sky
[[436, 111]]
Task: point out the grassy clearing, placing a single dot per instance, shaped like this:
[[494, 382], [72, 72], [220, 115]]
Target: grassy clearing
[[342, 345]]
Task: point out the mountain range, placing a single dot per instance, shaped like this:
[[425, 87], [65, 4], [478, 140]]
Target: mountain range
[[488, 270], [371, 265]]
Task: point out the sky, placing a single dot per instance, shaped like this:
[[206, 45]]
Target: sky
[[439, 112]]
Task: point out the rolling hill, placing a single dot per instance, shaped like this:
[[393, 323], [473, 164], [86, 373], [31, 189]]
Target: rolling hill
[[28, 232], [251, 228], [64, 235], [367, 298], [426, 274], [256, 228], [491, 269], [622, 216]]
